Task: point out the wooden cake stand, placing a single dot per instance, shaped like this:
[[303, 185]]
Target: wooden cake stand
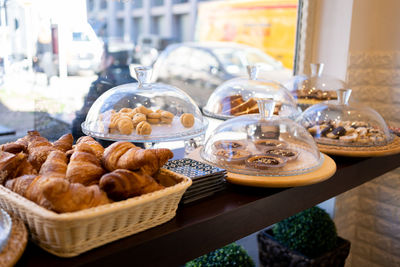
[[375, 151], [321, 173]]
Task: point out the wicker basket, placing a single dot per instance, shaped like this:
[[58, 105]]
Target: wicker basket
[[70, 234]]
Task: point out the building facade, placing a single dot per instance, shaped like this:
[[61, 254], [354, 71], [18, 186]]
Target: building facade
[[129, 19]]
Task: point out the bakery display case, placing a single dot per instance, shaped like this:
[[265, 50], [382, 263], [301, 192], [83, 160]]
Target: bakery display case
[[340, 124], [144, 112], [348, 129], [313, 89], [262, 145], [239, 96]]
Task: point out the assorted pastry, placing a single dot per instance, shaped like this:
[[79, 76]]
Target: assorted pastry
[[350, 132], [235, 105], [269, 153], [139, 120], [264, 162], [63, 177], [316, 94]]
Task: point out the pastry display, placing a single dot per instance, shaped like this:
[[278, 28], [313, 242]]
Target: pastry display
[[234, 156], [238, 106], [82, 176], [239, 96], [229, 144], [262, 145], [347, 132], [267, 144], [144, 112], [263, 162], [314, 88], [287, 154], [342, 124]]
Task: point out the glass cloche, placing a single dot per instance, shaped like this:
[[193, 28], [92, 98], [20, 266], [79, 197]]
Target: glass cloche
[[318, 87], [239, 96], [340, 124], [144, 112], [262, 145]]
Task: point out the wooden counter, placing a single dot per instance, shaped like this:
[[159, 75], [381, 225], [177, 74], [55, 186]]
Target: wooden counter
[[219, 220]]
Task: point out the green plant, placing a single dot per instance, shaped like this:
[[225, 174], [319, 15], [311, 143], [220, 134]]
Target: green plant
[[230, 255], [311, 232]]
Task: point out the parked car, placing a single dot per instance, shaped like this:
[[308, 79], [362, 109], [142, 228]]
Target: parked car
[[199, 68], [148, 47]]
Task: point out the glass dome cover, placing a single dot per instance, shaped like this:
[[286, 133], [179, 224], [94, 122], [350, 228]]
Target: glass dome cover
[[262, 145], [144, 112], [309, 90], [239, 96], [340, 124]]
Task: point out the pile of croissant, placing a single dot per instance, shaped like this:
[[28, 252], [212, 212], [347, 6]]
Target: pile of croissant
[[63, 177]]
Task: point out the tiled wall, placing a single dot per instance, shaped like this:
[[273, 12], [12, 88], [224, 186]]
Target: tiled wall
[[369, 216]]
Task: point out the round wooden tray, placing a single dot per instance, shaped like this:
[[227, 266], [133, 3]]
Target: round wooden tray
[[16, 244], [377, 151], [324, 172]]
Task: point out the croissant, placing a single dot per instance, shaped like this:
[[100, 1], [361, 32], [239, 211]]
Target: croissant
[[20, 185], [122, 184], [84, 167], [55, 165], [64, 143], [57, 194], [13, 148], [64, 196], [25, 168], [96, 146], [125, 155], [39, 148], [9, 165]]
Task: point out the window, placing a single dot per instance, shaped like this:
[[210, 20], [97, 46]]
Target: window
[[54, 60], [137, 4]]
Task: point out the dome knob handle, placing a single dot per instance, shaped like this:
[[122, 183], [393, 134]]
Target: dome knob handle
[[143, 75], [343, 96], [266, 107]]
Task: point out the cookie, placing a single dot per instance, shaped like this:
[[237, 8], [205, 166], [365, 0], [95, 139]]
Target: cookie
[[229, 144], [236, 156], [143, 110], [187, 120], [125, 125], [288, 154], [264, 144], [166, 117], [153, 121], [143, 128], [137, 118], [153, 115], [127, 112]]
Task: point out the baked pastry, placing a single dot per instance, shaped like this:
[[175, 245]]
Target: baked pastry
[[264, 162], [38, 148], [266, 144], [127, 112], [229, 144], [64, 143], [236, 156], [229, 102], [143, 128], [55, 165], [154, 118], [122, 184], [125, 125], [166, 117], [288, 154], [13, 148], [143, 110], [19, 185], [187, 120], [84, 167], [125, 155], [97, 148], [137, 118], [9, 164]]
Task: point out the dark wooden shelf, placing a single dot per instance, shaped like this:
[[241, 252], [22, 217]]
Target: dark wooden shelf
[[216, 221]]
